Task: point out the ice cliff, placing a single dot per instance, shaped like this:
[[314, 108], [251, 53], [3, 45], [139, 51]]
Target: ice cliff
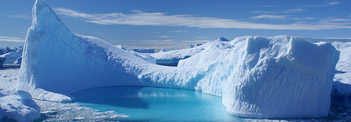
[[270, 77]]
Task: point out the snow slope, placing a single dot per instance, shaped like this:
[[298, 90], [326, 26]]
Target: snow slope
[[270, 77]]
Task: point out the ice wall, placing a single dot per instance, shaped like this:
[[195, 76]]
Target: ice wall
[[272, 77]]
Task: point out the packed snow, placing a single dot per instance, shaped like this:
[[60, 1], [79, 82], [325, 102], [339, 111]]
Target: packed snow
[[269, 77]]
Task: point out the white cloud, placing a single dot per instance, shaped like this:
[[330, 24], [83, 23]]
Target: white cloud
[[140, 18], [334, 3], [164, 36], [269, 17], [281, 17], [21, 16], [326, 4], [295, 10], [11, 39]]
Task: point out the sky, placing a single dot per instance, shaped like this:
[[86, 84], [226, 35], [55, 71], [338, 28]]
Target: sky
[[174, 24]]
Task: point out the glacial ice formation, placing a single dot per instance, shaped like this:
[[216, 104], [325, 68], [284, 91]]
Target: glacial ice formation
[[18, 106], [270, 77], [342, 86]]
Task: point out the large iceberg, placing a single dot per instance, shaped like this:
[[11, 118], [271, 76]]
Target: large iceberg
[[269, 77]]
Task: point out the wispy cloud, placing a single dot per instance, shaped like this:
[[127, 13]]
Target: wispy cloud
[[281, 17], [269, 17], [331, 20], [279, 12], [164, 36], [11, 39], [139, 18], [325, 4], [21, 16]]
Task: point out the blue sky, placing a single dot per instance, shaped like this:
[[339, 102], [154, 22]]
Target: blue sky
[[177, 23]]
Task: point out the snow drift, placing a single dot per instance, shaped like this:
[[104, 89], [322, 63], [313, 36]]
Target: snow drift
[[267, 77]]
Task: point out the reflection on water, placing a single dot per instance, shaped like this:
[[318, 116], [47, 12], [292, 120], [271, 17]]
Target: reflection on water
[[155, 104]]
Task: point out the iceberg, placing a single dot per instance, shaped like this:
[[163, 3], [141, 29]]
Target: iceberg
[[268, 77], [341, 94]]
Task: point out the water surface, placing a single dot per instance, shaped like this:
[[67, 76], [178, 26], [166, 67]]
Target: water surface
[[155, 104]]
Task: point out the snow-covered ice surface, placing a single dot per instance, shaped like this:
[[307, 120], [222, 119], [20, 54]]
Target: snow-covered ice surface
[[144, 56], [344, 64], [177, 54], [53, 111], [270, 77], [15, 105], [342, 86], [49, 111]]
